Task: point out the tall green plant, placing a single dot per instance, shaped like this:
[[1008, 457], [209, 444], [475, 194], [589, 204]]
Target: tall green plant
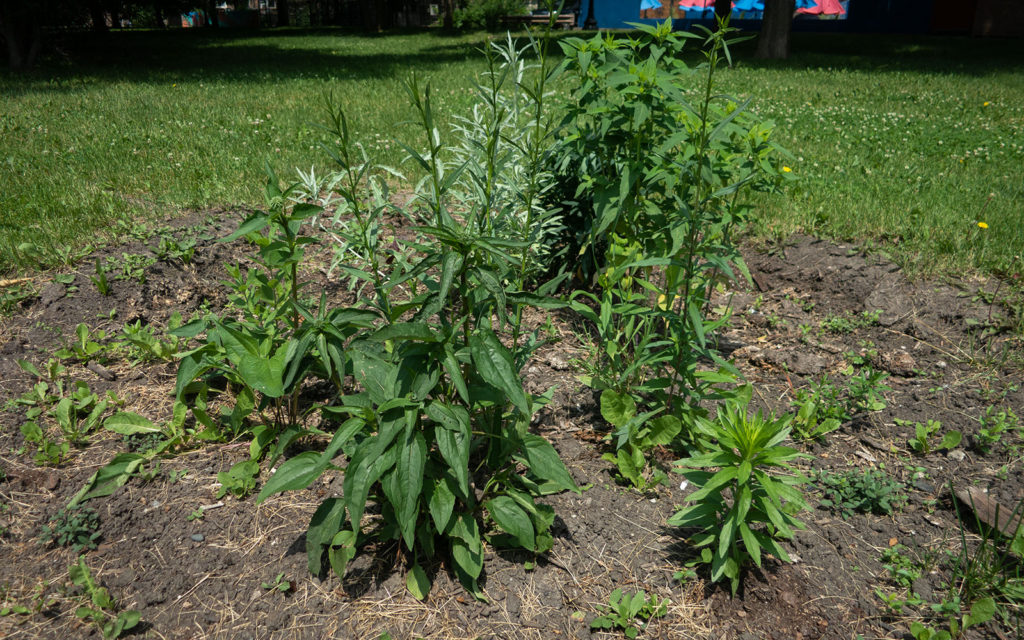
[[438, 433], [659, 181]]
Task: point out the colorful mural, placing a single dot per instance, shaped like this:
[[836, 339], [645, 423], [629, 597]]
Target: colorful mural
[[741, 9]]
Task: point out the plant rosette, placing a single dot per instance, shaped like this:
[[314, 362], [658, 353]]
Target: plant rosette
[[729, 503]]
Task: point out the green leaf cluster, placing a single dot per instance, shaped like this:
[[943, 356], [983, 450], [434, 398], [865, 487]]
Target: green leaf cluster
[[635, 435], [921, 442], [239, 480], [741, 510]]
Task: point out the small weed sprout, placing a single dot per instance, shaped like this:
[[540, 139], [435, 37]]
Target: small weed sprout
[[921, 442], [239, 480], [870, 491], [630, 612], [865, 393], [77, 527], [101, 607], [994, 425], [279, 584], [100, 279]]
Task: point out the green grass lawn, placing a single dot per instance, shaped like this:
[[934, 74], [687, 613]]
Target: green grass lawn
[[907, 142]]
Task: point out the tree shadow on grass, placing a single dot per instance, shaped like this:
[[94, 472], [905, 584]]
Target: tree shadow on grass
[[239, 56]]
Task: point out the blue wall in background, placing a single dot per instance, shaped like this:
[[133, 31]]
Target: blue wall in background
[[865, 16]]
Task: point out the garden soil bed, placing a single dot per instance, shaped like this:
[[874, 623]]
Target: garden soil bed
[[202, 578]]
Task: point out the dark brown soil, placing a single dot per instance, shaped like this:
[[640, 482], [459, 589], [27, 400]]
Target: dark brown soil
[[202, 578]]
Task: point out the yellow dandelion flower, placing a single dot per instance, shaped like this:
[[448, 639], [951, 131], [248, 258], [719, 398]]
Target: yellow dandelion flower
[[787, 170], [986, 103], [983, 225], [662, 302]]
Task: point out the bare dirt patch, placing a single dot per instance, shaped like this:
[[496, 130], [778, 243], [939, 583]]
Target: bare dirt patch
[[201, 578]]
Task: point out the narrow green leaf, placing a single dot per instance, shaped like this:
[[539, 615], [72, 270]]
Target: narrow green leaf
[[409, 467]]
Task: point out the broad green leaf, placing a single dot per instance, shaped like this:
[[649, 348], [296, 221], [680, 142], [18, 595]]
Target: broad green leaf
[[372, 372], [264, 374], [981, 611], [341, 551], [750, 542], [191, 367], [128, 424], [402, 331], [743, 474], [373, 457], [950, 440], [453, 440], [617, 408], [253, 223], [663, 430], [30, 368], [467, 553], [512, 519], [451, 263], [454, 370], [417, 582], [494, 364], [441, 504]]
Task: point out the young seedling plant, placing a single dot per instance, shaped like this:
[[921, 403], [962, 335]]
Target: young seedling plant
[[630, 612], [101, 607]]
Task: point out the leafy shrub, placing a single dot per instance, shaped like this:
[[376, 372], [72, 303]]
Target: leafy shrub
[[730, 503], [437, 432]]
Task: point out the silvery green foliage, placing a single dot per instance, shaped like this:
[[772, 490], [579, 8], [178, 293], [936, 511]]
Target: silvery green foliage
[[502, 146]]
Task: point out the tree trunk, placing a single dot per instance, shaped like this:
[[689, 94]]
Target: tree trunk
[[449, 15], [773, 43], [98, 16], [213, 20], [158, 15], [20, 30], [283, 19]]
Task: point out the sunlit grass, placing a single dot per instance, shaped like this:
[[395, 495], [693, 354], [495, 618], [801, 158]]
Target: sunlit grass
[[904, 143]]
